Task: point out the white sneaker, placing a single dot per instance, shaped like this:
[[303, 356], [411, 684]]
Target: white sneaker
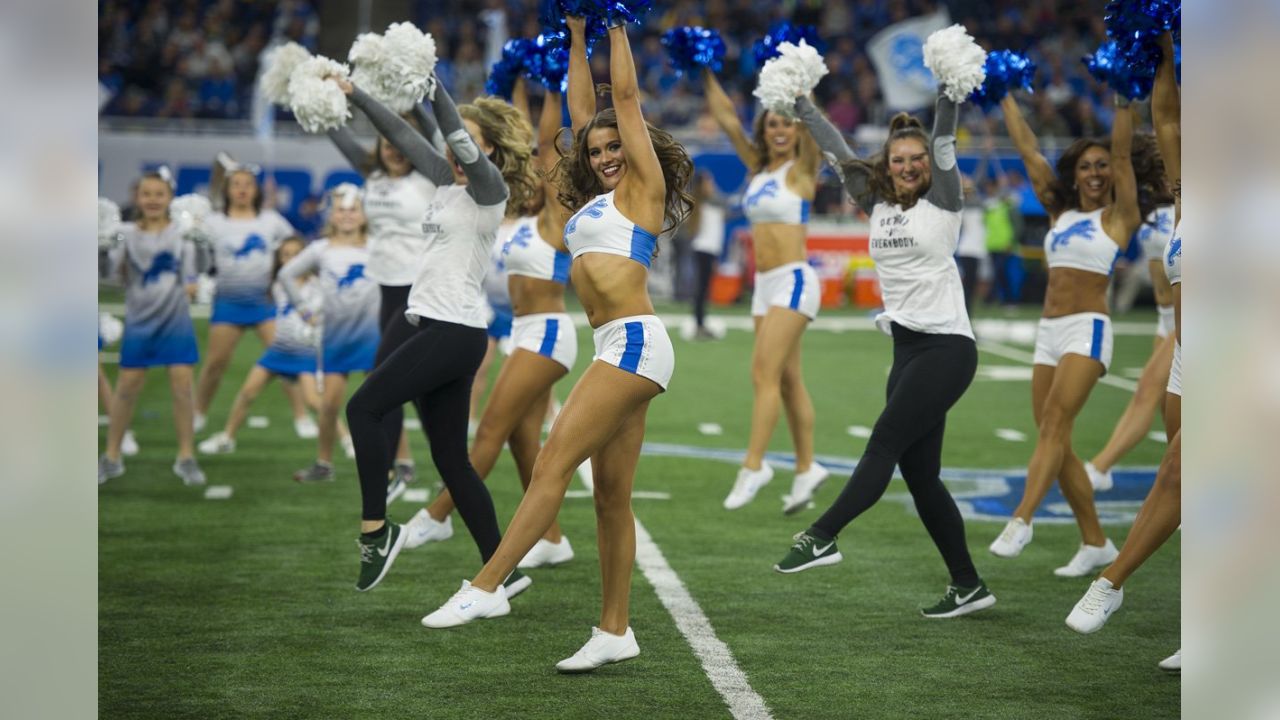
[[1015, 536], [198, 422], [547, 553], [217, 444], [1173, 663], [1101, 481], [1087, 559], [803, 488], [129, 445], [586, 476], [747, 485], [603, 648], [349, 447], [306, 427], [422, 529], [1091, 613], [469, 603]]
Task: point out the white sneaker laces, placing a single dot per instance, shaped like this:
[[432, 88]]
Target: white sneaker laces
[[1010, 530], [1094, 600]]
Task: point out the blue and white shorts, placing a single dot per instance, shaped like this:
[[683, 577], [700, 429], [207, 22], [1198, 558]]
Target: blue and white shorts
[[1087, 334], [550, 335], [288, 364], [140, 349], [793, 286], [637, 344], [1166, 322], [240, 313], [1175, 372], [348, 356], [500, 323]]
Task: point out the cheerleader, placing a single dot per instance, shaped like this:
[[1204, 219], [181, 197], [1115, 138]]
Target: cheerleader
[[1095, 204], [290, 357], [158, 268], [1161, 512], [245, 238], [536, 263], [1136, 420], [784, 161], [629, 180], [347, 316], [489, 153], [914, 192], [399, 187]]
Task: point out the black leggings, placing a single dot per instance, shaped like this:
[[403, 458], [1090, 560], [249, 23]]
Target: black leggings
[[930, 373], [396, 330], [434, 369], [705, 264]]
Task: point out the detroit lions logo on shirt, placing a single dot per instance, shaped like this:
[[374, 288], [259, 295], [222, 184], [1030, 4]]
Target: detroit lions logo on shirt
[[1082, 229], [520, 238], [1175, 250], [162, 263], [354, 273], [595, 210], [768, 190], [252, 244]]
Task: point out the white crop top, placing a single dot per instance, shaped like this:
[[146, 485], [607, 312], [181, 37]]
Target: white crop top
[[1173, 257], [1154, 234], [459, 238], [1078, 241], [919, 280], [394, 207], [495, 281], [769, 200], [525, 253], [599, 228]]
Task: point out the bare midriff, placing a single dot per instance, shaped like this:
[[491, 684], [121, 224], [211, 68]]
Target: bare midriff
[[532, 296], [778, 244], [1074, 291], [610, 287]]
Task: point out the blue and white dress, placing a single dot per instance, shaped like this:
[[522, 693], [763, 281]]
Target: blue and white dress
[[349, 303], [244, 255], [155, 268]]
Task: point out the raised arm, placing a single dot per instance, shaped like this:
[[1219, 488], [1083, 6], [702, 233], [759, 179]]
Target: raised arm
[[554, 215], [346, 142], [520, 98], [582, 93], [484, 181], [401, 134], [644, 179], [837, 152], [430, 130], [1038, 168], [1124, 215], [307, 261], [726, 116], [945, 190], [1166, 115], [549, 123]]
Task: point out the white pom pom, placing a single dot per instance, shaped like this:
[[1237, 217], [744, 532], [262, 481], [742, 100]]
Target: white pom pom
[[408, 76], [190, 211], [956, 61], [319, 104], [277, 65], [794, 72], [368, 58], [108, 222], [110, 328]]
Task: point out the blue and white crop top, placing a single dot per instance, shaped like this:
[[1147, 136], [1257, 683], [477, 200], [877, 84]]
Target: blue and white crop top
[[1173, 257], [1078, 241], [1154, 234], [600, 228], [769, 200], [525, 253], [496, 291]]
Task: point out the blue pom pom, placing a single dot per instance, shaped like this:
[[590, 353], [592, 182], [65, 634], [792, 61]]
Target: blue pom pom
[[1006, 70], [1130, 69], [1141, 20], [515, 61], [692, 48], [1177, 62], [549, 63], [767, 46]]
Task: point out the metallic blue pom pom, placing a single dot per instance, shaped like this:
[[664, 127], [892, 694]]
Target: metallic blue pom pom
[[1130, 68], [1141, 20], [550, 62], [515, 61], [767, 46], [1006, 70], [692, 48]]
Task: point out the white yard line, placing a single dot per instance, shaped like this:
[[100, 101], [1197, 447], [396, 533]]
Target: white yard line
[[1005, 351], [717, 661]]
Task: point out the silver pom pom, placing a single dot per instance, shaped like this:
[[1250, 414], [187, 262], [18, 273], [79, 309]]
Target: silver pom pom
[[108, 223], [189, 212]]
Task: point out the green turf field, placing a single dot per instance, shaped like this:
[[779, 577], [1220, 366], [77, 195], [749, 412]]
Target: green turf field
[[245, 607]]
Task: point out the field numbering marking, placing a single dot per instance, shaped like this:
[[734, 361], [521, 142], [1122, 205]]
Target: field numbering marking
[[218, 492]]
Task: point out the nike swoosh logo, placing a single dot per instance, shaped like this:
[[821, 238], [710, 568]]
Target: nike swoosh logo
[[386, 546], [963, 600], [817, 551], [464, 607]]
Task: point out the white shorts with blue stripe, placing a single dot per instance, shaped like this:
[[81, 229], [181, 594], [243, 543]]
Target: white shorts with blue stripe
[[1087, 334], [638, 344], [793, 286], [550, 335], [1175, 372]]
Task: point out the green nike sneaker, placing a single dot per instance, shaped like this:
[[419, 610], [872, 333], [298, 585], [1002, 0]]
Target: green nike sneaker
[[961, 601], [809, 552], [377, 555]]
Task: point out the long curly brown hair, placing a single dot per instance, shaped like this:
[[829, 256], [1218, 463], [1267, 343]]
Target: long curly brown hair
[[1148, 170], [876, 168], [511, 136], [577, 184]]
